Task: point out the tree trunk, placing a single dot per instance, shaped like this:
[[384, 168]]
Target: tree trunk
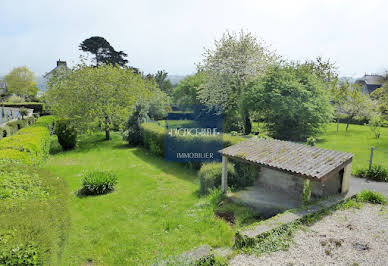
[[347, 125], [107, 128], [107, 134]]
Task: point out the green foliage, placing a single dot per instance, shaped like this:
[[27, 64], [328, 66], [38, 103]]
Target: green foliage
[[311, 141], [5, 131], [103, 95], [35, 141], [23, 112], [16, 125], [34, 219], [21, 81], [67, 134], [15, 99], [103, 52], [371, 197], [186, 92], [376, 172], [47, 121], [161, 78], [37, 107], [210, 176], [132, 132], [159, 105], [292, 101], [98, 182], [375, 124]]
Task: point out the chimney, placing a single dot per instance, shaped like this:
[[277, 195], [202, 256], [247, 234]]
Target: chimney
[[61, 63]]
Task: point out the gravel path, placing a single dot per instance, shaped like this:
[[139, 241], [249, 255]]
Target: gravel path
[[347, 237]]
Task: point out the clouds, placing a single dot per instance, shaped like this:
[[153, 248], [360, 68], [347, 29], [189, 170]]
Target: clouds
[[171, 34]]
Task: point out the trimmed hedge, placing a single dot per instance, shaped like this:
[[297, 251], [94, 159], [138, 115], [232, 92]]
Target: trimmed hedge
[[34, 218], [210, 176], [31, 145], [154, 137], [37, 107]]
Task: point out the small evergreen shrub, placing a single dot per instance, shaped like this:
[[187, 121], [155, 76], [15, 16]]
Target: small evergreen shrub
[[210, 176], [377, 173], [311, 141], [23, 112], [371, 197], [67, 134], [98, 182]]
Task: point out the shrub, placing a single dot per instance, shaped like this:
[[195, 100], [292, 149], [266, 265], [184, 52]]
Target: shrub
[[371, 196], [210, 176], [16, 125], [5, 131], [98, 182], [34, 218], [377, 173], [132, 132], [15, 156], [23, 112], [67, 134], [46, 121], [245, 174], [37, 107], [311, 141], [15, 99], [33, 140]]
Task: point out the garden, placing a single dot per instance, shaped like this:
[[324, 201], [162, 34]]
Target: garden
[[86, 180]]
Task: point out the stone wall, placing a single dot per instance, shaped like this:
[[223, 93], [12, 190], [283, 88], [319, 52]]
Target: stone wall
[[293, 185]]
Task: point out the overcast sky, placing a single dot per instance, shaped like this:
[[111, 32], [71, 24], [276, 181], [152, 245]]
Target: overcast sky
[[171, 34]]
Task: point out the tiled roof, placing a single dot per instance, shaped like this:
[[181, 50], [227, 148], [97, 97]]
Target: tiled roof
[[298, 159], [371, 79]]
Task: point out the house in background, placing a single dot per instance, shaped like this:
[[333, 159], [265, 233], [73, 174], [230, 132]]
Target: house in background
[[3, 87], [369, 83], [61, 66]]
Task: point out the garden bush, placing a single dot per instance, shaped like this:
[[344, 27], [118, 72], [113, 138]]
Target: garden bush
[[210, 176], [37, 107], [5, 131], [377, 173], [16, 125], [371, 197], [67, 134], [46, 121], [34, 218], [311, 141], [245, 174], [33, 140], [98, 182]]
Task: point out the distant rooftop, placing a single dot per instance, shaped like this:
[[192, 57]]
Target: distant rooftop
[[297, 159], [60, 65], [371, 79]]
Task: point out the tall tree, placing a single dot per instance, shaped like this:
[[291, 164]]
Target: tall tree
[[356, 103], [21, 81], [238, 58], [186, 92], [102, 95], [293, 102], [103, 52], [161, 78]]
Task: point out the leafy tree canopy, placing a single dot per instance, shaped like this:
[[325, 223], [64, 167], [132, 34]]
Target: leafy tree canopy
[[103, 96], [21, 81], [292, 101], [186, 92], [103, 52]]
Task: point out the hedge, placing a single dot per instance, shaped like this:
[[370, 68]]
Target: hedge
[[32, 142], [37, 107], [34, 218], [154, 137]]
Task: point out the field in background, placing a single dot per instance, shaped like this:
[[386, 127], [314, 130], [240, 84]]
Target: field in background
[[358, 140]]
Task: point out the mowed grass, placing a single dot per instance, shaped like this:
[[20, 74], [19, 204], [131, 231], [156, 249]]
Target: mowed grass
[[155, 211], [357, 140]]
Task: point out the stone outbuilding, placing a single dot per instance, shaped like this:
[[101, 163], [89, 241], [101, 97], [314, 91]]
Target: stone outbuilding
[[289, 174]]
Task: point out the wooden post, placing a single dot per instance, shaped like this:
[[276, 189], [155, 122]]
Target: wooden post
[[371, 157], [224, 179]]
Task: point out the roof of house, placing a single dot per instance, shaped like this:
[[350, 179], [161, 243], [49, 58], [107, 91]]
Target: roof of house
[[60, 66], [297, 159], [371, 79], [3, 84]]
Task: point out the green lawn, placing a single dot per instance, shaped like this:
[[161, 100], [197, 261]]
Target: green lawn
[[358, 141], [154, 212]]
